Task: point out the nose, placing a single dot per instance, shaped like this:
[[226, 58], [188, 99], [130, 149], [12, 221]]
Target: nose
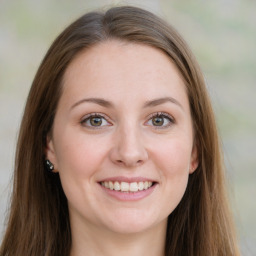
[[129, 149]]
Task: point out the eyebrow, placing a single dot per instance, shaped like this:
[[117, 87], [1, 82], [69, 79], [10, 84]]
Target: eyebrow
[[98, 101], [156, 102], [108, 104]]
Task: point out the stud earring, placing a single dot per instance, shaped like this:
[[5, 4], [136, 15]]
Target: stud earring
[[49, 166]]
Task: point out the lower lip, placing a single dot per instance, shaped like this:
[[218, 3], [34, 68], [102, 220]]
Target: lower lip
[[129, 196]]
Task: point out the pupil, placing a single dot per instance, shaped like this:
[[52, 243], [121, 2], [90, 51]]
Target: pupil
[[158, 121], [96, 121]]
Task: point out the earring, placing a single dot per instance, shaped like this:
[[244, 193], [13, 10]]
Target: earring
[[49, 166]]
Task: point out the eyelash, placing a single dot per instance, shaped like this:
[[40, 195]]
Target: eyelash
[[162, 115], [103, 116], [94, 115]]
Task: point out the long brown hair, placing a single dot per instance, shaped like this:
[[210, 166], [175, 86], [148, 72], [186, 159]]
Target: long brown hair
[[39, 220]]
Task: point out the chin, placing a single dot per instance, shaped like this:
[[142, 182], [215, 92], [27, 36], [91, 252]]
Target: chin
[[133, 222], [127, 228]]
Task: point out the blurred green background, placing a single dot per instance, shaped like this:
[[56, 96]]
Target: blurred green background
[[222, 35]]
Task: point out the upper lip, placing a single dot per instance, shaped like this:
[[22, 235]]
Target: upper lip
[[127, 179]]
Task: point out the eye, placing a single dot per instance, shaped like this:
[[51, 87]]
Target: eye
[[95, 121], [160, 120]]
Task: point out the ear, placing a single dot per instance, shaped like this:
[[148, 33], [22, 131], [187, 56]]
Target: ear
[[50, 152], [194, 159]]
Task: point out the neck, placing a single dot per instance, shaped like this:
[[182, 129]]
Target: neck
[[91, 241]]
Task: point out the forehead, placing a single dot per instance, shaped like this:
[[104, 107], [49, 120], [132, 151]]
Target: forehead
[[122, 68]]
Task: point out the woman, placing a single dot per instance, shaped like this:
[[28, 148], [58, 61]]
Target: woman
[[118, 151]]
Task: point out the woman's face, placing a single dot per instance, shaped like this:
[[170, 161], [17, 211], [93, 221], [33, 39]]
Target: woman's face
[[122, 138]]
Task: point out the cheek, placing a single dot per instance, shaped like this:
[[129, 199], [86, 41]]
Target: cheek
[[79, 158], [173, 156], [172, 160], [79, 155]]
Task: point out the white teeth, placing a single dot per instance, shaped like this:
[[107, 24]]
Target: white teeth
[[146, 185], [134, 187], [141, 185], [116, 186], [106, 184], [127, 187], [111, 185]]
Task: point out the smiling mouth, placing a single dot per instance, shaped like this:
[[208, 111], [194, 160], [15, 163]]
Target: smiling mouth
[[126, 186]]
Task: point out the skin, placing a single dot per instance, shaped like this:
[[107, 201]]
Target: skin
[[128, 143]]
